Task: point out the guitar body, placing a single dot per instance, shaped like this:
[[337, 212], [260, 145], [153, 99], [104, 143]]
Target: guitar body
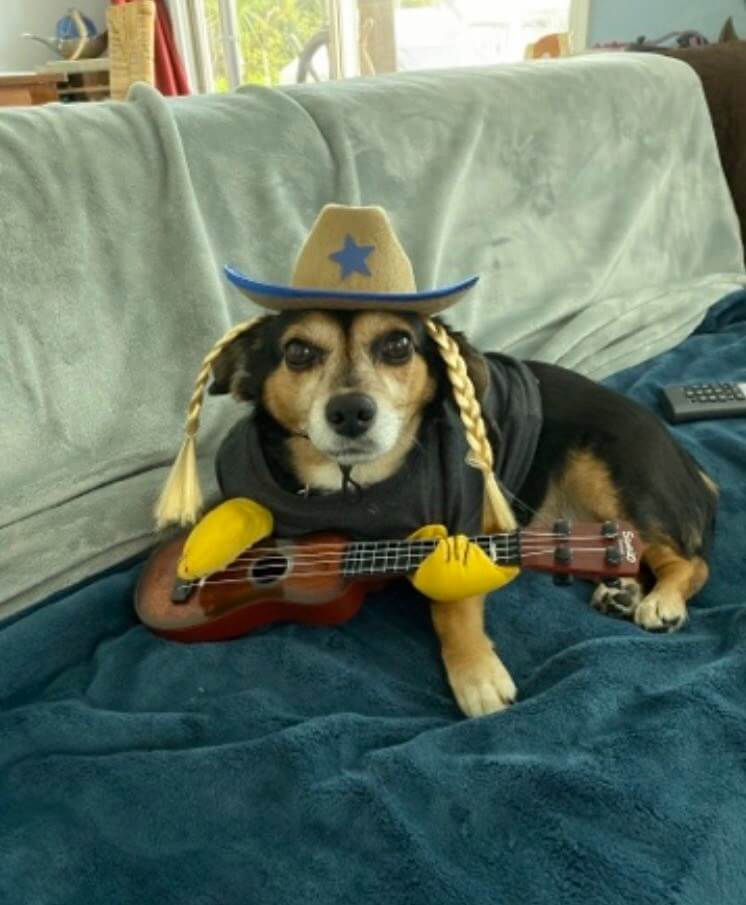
[[264, 588]]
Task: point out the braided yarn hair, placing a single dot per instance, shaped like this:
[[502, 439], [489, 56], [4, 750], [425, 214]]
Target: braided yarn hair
[[497, 514], [181, 499]]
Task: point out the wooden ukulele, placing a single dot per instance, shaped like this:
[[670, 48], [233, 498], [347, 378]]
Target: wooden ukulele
[[323, 579]]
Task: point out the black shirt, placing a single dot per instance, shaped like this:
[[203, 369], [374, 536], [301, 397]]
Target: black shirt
[[434, 485]]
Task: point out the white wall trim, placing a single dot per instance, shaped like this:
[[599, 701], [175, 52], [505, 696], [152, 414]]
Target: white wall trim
[[579, 24], [230, 37]]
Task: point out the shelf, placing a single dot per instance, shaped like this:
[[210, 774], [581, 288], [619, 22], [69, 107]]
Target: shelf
[[76, 67]]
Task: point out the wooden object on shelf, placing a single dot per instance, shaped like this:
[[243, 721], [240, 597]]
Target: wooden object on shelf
[[20, 89], [554, 45], [81, 80], [131, 45], [86, 86]]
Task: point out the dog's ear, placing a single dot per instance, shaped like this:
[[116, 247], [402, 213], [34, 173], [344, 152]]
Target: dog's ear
[[476, 365], [241, 367], [728, 32]]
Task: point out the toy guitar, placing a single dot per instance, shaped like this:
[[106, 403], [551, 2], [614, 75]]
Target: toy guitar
[[323, 579]]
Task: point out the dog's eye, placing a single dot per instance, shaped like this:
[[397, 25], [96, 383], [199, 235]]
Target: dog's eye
[[300, 355], [396, 348]]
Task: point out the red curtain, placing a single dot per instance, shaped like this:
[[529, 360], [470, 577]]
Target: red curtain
[[170, 75]]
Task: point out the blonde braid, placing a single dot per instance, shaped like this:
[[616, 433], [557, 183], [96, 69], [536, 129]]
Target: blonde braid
[[497, 514], [181, 498]]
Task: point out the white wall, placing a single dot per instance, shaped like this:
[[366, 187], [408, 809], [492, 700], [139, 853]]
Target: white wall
[[39, 17]]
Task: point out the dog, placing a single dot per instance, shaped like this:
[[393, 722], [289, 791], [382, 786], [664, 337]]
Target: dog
[[352, 392]]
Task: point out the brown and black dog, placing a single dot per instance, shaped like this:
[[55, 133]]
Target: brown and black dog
[[599, 456]]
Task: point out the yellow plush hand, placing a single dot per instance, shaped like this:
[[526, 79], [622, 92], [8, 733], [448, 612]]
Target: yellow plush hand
[[457, 567], [218, 538]]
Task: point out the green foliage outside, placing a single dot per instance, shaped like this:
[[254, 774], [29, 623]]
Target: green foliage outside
[[272, 33]]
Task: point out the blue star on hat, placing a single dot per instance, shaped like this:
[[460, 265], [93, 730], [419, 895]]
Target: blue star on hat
[[351, 257]]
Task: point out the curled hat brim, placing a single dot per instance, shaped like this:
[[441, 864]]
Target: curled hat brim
[[291, 298]]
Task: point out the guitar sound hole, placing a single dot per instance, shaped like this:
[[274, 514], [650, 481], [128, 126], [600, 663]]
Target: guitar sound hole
[[269, 569]]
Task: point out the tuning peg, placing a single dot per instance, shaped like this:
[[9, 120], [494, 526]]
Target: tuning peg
[[561, 578], [610, 528], [613, 555], [563, 526]]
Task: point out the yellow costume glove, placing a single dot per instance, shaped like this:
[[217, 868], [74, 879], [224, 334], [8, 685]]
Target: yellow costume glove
[[218, 538], [457, 567]]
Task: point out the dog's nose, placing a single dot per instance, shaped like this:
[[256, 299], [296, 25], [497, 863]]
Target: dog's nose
[[350, 414]]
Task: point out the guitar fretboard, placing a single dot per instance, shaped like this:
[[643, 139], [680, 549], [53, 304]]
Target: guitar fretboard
[[369, 558]]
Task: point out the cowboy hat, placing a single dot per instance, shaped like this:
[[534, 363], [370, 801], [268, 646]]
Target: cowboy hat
[[351, 260]]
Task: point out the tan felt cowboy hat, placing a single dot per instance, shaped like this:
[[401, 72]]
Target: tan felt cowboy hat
[[351, 260]]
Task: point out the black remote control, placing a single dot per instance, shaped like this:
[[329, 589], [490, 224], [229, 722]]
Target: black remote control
[[695, 401]]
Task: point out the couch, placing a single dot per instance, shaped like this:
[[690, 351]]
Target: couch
[[331, 764]]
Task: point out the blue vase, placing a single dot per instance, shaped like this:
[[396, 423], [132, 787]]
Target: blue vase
[[66, 27]]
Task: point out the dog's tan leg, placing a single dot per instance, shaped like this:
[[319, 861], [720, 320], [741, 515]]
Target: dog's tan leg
[[478, 678], [676, 580]]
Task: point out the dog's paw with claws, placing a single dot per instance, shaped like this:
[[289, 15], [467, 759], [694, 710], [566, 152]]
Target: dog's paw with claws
[[481, 685], [661, 612], [655, 612], [619, 598]]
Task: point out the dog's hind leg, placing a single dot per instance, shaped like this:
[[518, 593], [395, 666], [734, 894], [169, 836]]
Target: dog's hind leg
[[480, 682], [676, 580]]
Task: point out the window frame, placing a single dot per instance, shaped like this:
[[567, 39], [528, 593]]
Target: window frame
[[578, 24], [190, 27]]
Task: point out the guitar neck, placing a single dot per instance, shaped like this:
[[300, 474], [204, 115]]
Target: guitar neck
[[586, 549], [389, 558]]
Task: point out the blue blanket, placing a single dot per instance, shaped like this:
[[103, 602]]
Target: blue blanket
[[331, 765]]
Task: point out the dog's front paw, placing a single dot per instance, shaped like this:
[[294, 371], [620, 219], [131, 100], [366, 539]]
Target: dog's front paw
[[481, 685], [661, 611]]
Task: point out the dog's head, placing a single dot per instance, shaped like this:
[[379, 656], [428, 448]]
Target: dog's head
[[350, 388]]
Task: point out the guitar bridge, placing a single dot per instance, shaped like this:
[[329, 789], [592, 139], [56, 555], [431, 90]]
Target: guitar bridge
[[181, 591]]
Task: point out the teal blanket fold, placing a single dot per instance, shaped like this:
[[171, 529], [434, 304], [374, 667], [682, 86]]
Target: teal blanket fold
[[331, 765], [587, 194]]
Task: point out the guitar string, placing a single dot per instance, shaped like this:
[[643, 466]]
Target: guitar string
[[359, 552], [323, 574], [505, 535], [395, 548], [503, 558], [370, 547]]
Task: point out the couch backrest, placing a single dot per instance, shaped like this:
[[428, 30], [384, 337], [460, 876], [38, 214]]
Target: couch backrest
[[722, 70]]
